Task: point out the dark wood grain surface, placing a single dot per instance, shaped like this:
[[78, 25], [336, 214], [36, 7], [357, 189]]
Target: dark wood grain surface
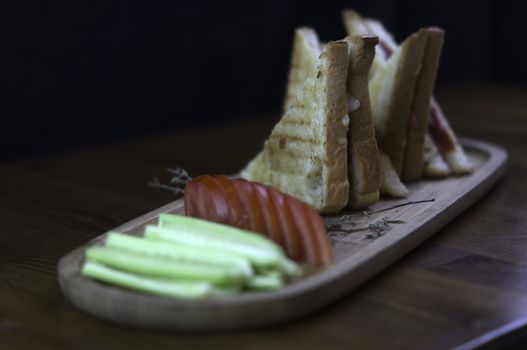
[[464, 287]]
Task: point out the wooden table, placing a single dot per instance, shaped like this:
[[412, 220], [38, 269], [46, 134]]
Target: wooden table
[[467, 286]]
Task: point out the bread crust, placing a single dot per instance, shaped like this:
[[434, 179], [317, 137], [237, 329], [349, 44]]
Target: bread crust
[[417, 124], [392, 130], [335, 171], [363, 154]]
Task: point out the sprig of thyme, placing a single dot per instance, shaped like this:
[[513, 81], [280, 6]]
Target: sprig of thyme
[[374, 230], [379, 228], [177, 182], [181, 177]]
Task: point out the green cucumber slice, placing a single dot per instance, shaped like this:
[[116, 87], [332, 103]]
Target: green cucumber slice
[[164, 268], [266, 282], [179, 252], [258, 255], [208, 228], [178, 289]]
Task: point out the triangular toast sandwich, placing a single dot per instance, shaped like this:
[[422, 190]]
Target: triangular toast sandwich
[[426, 117], [363, 155], [392, 91], [306, 154]]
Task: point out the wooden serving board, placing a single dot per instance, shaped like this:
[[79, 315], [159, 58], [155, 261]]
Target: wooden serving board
[[360, 253]]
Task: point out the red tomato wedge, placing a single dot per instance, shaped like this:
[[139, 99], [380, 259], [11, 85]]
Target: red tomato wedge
[[238, 216], [303, 224], [252, 206], [272, 223], [250, 203], [292, 242]]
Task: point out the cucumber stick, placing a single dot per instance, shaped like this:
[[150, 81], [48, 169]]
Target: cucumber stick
[[291, 268], [231, 235], [179, 252], [264, 282], [178, 289], [190, 258], [258, 255], [212, 229], [164, 268]]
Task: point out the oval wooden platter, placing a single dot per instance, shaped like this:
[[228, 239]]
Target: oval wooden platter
[[360, 253]]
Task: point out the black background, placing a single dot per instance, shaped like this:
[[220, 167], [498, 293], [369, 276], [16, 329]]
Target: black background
[[83, 73]]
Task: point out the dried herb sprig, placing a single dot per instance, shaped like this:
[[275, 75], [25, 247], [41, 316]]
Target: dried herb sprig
[[343, 220], [181, 176], [379, 228], [177, 182], [374, 230]]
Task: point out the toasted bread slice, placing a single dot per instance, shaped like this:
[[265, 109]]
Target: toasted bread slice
[[363, 155], [304, 58], [418, 122], [446, 141], [391, 184], [435, 165], [306, 154], [392, 91]]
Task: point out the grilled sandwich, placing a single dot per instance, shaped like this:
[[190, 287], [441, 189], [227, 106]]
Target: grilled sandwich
[[363, 156], [306, 154], [426, 119], [392, 90]]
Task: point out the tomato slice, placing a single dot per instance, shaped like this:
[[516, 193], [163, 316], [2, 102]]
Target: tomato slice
[[273, 228], [259, 208], [302, 225], [320, 236], [206, 208], [217, 199], [190, 199], [238, 216], [251, 205], [292, 241], [198, 202]]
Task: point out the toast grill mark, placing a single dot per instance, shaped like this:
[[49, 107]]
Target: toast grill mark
[[296, 122], [292, 149], [285, 139]]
